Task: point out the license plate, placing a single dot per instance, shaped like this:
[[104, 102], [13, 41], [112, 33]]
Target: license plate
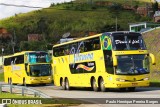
[[134, 84], [41, 81]]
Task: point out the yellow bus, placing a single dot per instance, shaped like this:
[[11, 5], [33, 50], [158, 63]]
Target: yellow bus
[[102, 61], [27, 67]]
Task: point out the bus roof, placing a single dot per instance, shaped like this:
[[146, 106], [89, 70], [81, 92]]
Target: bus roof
[[21, 53], [80, 39]]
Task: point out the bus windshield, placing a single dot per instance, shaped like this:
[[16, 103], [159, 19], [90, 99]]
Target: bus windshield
[[40, 70], [131, 41], [39, 57], [132, 64]]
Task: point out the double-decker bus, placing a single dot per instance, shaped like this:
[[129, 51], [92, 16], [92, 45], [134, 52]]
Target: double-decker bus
[[107, 60], [28, 67]]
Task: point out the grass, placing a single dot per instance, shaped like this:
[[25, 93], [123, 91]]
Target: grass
[[2, 76], [127, 2], [8, 95], [152, 40]]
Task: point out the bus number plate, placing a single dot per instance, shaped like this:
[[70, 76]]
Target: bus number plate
[[134, 84]]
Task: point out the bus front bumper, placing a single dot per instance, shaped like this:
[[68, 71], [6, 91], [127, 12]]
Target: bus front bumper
[[47, 80], [127, 84]]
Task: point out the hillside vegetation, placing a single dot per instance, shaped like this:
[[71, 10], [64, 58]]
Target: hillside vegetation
[[74, 17], [152, 40]]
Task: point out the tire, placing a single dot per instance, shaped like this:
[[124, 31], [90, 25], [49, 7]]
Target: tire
[[63, 85], [94, 85], [43, 84], [9, 81], [24, 82], [102, 87], [122, 89], [131, 89], [67, 86]]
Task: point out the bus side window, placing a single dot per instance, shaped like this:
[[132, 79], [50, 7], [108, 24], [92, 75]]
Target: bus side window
[[72, 48], [12, 60], [56, 52], [7, 61], [61, 51], [81, 47], [87, 45], [66, 50], [96, 44]]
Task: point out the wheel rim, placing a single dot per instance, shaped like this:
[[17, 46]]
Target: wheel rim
[[67, 85], [102, 86], [95, 88], [63, 85]]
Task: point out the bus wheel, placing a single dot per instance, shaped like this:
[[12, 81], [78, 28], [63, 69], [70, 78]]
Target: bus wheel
[[131, 89], [94, 85], [24, 82], [67, 85], [63, 85], [9, 81], [122, 89], [102, 87]]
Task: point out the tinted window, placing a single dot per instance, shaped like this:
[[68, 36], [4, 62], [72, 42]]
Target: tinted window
[[77, 47], [14, 60], [39, 57], [131, 41], [7, 61]]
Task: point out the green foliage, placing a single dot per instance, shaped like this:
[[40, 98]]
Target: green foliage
[[152, 41], [8, 95], [2, 76], [73, 17], [33, 46], [155, 6]]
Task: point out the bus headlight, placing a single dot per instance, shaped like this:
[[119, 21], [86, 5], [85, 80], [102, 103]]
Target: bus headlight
[[31, 79], [119, 79], [49, 78], [146, 79]]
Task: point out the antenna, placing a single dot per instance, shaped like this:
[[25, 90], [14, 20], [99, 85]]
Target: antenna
[[66, 35]]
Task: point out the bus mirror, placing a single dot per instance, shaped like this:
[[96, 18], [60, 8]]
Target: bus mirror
[[28, 69], [115, 61], [152, 58]]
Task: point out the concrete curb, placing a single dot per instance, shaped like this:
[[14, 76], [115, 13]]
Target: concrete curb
[[3, 105]]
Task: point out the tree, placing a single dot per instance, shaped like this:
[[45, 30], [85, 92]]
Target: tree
[[155, 6], [42, 25]]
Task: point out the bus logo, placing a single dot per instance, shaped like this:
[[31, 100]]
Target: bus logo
[[85, 67]]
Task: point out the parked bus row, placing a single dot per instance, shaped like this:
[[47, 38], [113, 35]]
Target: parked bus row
[[107, 60]]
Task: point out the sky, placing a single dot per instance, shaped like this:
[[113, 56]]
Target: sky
[[7, 11]]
